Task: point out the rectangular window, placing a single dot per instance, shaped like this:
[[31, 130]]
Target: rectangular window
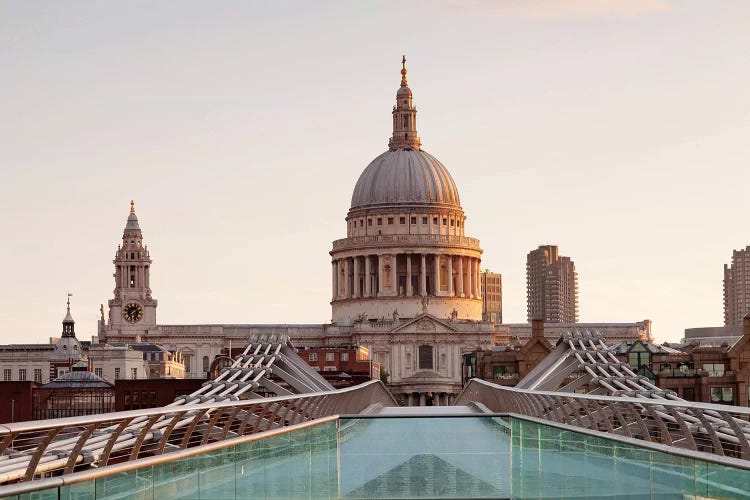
[[329, 368], [413, 220], [380, 221], [312, 356], [186, 362], [425, 357], [117, 373], [98, 372], [424, 220], [503, 372], [6, 374], [369, 222], [714, 369], [344, 356], [688, 393], [390, 220], [722, 395], [445, 221], [134, 373], [38, 375], [330, 356], [22, 374], [402, 220], [435, 221], [452, 222], [361, 223]]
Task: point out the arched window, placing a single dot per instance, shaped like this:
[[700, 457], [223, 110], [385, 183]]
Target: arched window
[[425, 357], [205, 363]]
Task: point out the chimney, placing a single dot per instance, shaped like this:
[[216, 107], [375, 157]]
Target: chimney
[[537, 328]]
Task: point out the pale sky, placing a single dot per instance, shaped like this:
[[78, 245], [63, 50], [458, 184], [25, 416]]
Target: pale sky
[[616, 129]]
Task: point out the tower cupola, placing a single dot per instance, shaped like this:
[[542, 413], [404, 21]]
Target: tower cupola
[[69, 323]]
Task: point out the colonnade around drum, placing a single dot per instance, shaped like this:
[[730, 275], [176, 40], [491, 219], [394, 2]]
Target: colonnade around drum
[[413, 274]]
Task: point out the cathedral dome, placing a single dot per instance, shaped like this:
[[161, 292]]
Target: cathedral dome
[[405, 177]]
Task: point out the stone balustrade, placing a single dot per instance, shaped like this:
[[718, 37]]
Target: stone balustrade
[[390, 240]]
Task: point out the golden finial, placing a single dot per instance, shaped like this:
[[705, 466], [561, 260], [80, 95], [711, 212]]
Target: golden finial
[[403, 71], [132, 206], [69, 296]]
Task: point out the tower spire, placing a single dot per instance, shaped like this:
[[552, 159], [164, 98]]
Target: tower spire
[[404, 117]]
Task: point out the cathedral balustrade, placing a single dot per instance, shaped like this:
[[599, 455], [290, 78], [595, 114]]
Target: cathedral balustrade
[[390, 240]]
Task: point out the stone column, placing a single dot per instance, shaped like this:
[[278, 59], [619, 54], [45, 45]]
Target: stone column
[[478, 275], [368, 278], [335, 279], [423, 276], [422, 401], [469, 278], [394, 273], [355, 279], [409, 291], [347, 281], [460, 281], [450, 275], [380, 275], [437, 275]]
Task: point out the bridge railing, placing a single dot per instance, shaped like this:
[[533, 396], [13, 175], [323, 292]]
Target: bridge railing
[[34, 449], [719, 429]]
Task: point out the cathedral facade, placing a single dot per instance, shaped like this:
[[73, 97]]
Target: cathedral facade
[[405, 281]]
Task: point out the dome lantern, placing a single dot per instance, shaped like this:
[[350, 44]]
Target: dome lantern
[[404, 117]]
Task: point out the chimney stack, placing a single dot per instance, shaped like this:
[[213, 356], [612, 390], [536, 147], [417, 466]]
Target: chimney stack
[[537, 328]]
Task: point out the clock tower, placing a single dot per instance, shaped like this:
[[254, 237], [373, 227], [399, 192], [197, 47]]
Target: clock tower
[[132, 311]]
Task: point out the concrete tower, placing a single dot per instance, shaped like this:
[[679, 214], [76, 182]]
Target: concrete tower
[[737, 288], [551, 286]]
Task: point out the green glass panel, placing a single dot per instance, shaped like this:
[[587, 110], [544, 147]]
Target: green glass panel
[[673, 474], [178, 479], [48, 494], [136, 484], [721, 481], [632, 471], [551, 465], [573, 456], [78, 491], [599, 466], [443, 457], [216, 475], [529, 467]]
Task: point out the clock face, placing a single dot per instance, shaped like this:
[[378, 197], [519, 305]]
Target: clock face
[[132, 312]]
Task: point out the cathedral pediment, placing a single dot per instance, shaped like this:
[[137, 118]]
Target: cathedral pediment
[[425, 323]]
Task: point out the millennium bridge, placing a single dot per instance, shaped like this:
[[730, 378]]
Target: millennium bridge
[[626, 438]]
